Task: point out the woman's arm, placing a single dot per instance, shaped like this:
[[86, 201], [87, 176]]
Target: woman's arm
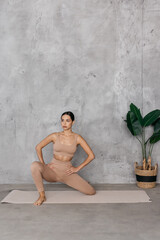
[[43, 143], [87, 149]]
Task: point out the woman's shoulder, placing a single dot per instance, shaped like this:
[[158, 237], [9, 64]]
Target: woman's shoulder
[[54, 136], [78, 135], [79, 138], [55, 133]]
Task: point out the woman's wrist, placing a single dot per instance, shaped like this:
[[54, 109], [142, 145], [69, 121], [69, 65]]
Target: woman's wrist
[[42, 162], [79, 167], [82, 165]]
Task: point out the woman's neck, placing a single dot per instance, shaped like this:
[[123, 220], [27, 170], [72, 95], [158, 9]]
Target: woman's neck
[[67, 132]]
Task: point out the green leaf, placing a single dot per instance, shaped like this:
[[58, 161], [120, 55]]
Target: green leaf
[[151, 117], [155, 137], [156, 125], [137, 112], [133, 124]]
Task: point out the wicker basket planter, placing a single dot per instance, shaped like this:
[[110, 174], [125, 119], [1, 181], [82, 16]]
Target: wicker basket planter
[[146, 178]]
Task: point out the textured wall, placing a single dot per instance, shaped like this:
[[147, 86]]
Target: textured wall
[[92, 57]]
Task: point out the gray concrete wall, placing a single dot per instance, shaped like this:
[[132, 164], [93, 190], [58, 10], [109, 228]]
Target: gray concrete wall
[[92, 57]]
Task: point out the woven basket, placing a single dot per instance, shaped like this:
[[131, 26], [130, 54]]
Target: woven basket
[[146, 178]]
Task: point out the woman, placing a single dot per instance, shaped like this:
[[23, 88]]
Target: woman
[[60, 168]]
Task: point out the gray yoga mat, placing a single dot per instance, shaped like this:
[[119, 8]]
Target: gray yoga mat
[[101, 196]]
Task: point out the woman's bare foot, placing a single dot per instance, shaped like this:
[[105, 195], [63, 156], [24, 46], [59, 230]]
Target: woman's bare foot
[[41, 199]]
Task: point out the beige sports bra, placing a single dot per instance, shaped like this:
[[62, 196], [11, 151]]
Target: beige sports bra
[[64, 149]]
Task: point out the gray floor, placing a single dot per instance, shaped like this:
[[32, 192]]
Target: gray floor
[[80, 221]]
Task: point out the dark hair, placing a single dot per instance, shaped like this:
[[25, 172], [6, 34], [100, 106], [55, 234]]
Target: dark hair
[[70, 114]]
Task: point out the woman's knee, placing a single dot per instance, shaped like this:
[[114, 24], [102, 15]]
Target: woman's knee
[[92, 192], [35, 165]]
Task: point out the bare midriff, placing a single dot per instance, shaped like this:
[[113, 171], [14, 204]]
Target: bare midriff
[[62, 158]]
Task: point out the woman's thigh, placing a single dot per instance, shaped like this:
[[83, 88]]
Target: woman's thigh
[[48, 174], [77, 182]]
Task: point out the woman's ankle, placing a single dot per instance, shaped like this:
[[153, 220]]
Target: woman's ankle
[[42, 193]]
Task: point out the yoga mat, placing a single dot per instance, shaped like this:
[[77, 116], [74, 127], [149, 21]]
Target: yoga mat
[[101, 196]]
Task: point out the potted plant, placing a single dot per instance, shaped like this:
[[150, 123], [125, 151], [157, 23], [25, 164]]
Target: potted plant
[[146, 174]]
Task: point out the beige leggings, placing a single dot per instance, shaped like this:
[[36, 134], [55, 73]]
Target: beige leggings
[[57, 173]]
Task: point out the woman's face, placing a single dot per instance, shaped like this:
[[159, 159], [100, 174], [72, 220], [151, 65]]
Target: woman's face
[[66, 122]]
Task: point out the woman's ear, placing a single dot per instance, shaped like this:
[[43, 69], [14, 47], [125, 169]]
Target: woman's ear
[[73, 122]]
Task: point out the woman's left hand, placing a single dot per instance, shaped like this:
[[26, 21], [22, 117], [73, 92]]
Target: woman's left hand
[[72, 170]]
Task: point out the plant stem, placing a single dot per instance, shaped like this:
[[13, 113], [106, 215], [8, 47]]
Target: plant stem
[[151, 149], [149, 152], [143, 144], [139, 140]]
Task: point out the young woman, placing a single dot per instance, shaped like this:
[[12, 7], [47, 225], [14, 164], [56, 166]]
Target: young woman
[[60, 168]]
